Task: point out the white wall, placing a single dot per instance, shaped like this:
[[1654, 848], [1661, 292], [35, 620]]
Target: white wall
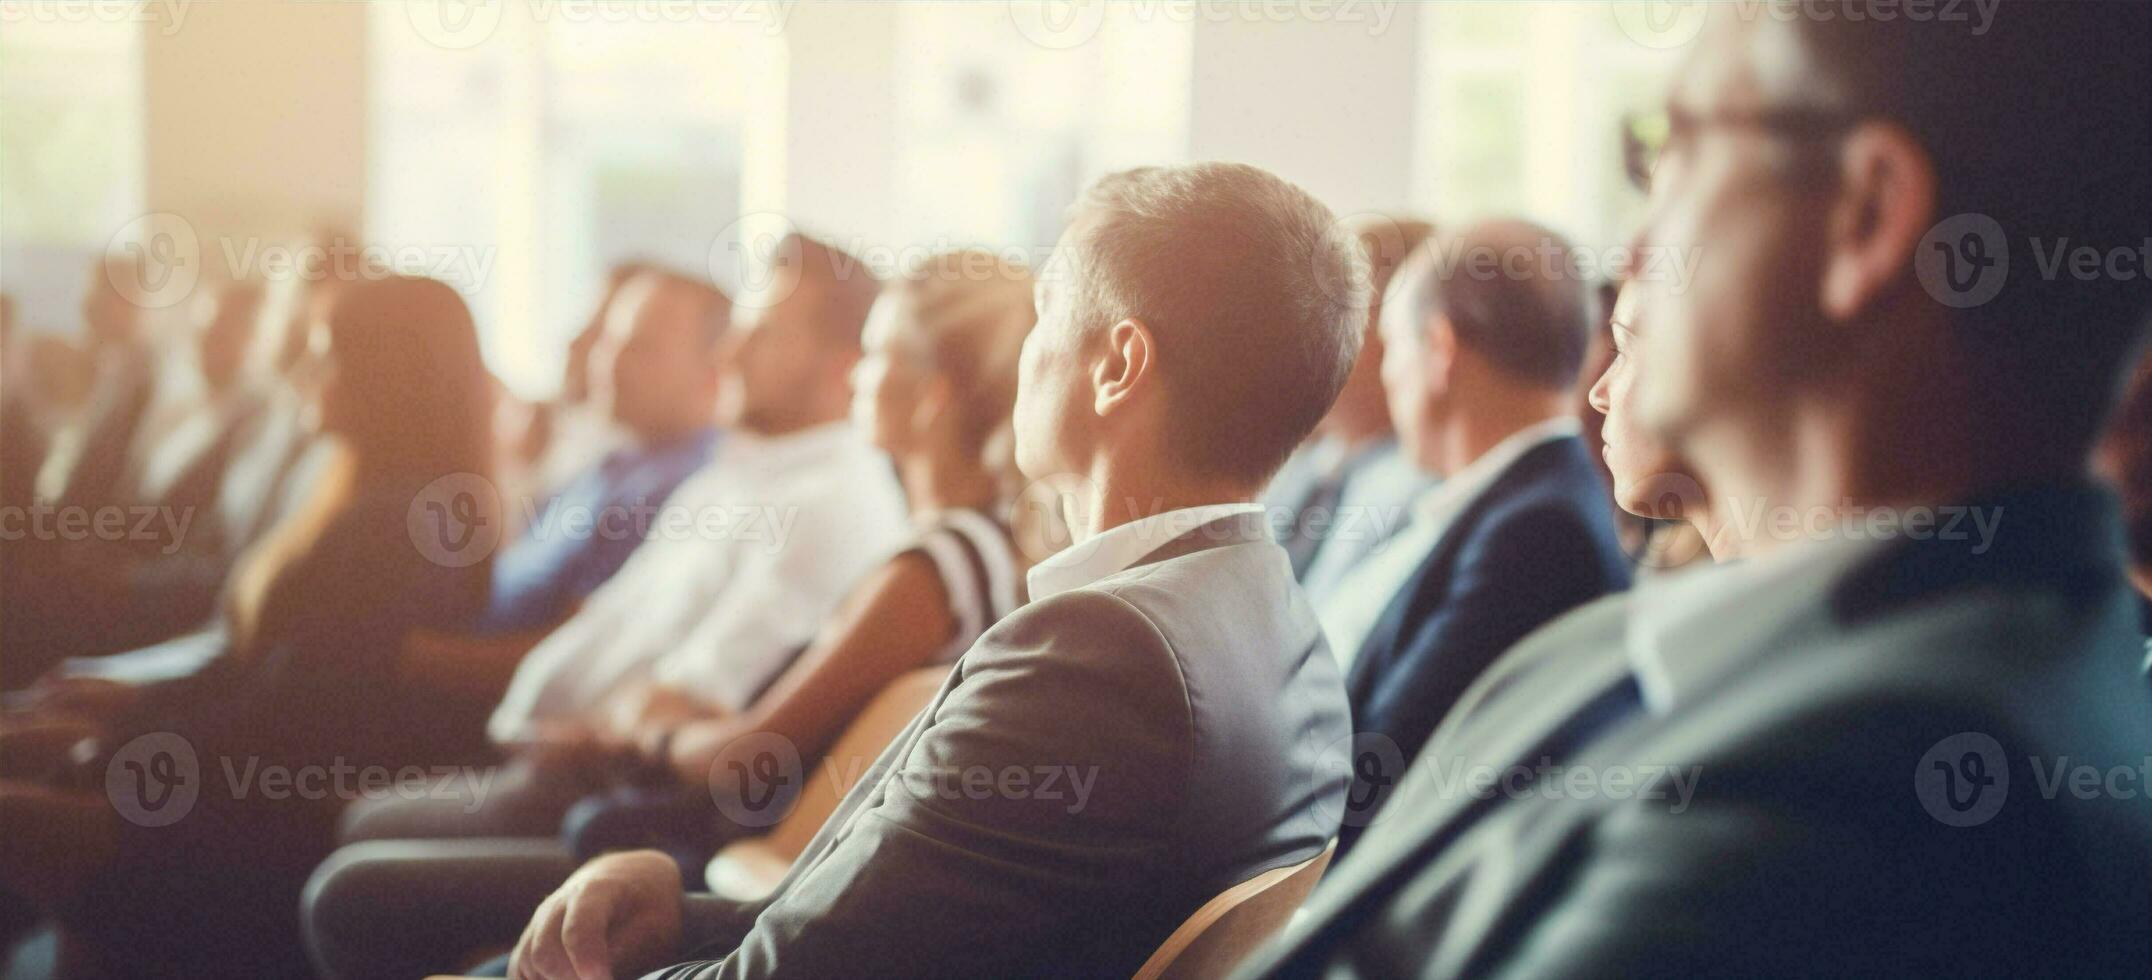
[[839, 144], [1326, 104], [257, 123], [256, 117]]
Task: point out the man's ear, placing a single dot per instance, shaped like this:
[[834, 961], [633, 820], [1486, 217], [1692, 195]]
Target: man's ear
[[1438, 353], [1124, 366], [1885, 204]]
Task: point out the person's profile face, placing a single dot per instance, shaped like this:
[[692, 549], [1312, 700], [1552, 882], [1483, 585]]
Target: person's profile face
[[1728, 252], [1403, 373], [1051, 394], [773, 356], [886, 382], [652, 361], [1644, 471]]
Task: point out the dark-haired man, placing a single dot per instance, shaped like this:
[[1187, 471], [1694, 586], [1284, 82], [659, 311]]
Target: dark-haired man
[[1167, 676], [1897, 738], [1479, 369]]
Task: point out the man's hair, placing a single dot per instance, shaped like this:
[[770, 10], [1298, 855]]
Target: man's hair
[[2042, 123], [843, 286], [1255, 300], [1511, 294], [712, 309], [1388, 240]]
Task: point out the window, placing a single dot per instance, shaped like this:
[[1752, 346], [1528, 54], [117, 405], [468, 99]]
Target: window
[[997, 132], [560, 141], [70, 149], [1520, 113]]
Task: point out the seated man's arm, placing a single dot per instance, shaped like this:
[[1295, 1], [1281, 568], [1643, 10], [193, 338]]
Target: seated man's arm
[[477, 664], [897, 621]]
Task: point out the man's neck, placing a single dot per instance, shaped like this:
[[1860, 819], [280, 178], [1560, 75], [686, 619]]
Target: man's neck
[[933, 483], [1117, 495], [1355, 426], [665, 435], [773, 426], [1829, 461], [1467, 435]]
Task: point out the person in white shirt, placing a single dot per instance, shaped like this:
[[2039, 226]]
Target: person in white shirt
[[743, 563]]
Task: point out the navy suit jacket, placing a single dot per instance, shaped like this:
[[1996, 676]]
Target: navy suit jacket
[[1537, 543]]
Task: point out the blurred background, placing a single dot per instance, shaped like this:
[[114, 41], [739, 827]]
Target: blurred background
[[517, 149]]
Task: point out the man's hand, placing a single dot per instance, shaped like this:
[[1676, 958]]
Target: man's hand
[[695, 748], [618, 916]]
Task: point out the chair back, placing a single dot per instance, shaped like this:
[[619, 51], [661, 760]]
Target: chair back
[[749, 869], [1226, 929]]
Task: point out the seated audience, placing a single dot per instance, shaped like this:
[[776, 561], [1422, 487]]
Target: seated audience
[[747, 558], [934, 390], [1479, 371], [96, 596], [1186, 342], [1948, 601], [301, 679], [1346, 491], [545, 444], [654, 376], [657, 383], [91, 456]]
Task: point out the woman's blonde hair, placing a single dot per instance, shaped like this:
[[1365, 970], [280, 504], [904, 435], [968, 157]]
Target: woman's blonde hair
[[973, 309]]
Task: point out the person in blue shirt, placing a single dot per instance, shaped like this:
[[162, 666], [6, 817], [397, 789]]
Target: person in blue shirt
[[654, 374]]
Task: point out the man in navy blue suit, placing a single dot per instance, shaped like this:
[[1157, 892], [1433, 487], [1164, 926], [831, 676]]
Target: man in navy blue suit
[[1485, 334]]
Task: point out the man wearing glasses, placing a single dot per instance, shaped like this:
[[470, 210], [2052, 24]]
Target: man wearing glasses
[[1858, 750]]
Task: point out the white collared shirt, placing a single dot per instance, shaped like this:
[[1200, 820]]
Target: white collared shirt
[[736, 574], [1117, 548], [1352, 609], [1686, 630]]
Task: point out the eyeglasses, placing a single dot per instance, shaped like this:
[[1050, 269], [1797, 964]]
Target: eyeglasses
[[1647, 136]]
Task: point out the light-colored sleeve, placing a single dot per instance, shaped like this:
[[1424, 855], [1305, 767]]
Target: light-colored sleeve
[[785, 585], [636, 617]]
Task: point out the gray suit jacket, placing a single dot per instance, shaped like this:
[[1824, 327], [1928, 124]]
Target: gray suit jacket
[[1816, 834], [1100, 764]]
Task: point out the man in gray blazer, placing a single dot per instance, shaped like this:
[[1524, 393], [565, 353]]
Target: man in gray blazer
[[1153, 727], [1901, 735]]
